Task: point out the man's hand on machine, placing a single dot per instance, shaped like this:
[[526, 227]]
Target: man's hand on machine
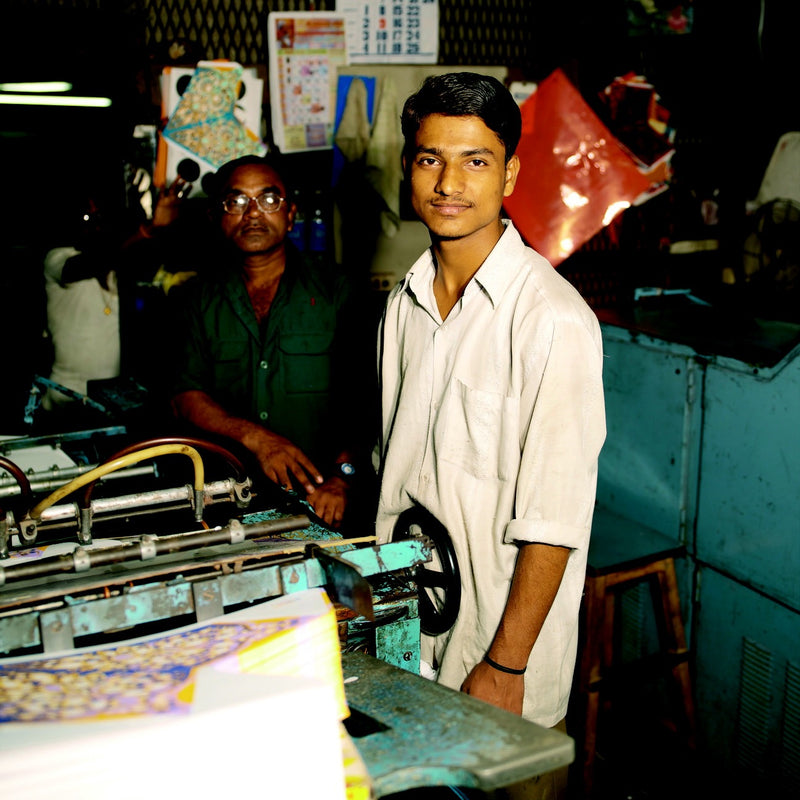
[[329, 501], [286, 464]]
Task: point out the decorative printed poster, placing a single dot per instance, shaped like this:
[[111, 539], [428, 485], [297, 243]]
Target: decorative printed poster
[[306, 48], [391, 31], [205, 123], [295, 634], [209, 123]]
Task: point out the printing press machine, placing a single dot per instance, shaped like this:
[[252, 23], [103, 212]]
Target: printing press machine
[[103, 540]]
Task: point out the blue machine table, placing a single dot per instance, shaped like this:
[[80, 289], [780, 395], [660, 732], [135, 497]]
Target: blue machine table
[[412, 732]]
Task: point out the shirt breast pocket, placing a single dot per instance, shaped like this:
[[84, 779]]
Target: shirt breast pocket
[[307, 361], [229, 357], [479, 431]]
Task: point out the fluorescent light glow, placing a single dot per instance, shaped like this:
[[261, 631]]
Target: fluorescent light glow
[[36, 86], [54, 100]]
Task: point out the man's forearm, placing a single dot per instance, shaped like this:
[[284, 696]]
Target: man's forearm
[[202, 411], [281, 460], [537, 576]]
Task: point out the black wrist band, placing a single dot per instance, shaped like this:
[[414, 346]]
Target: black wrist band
[[504, 669]]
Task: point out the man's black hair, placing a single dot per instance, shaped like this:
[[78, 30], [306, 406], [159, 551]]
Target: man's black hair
[[464, 94], [216, 183]]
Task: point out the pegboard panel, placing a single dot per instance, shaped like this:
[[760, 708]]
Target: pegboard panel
[[478, 32], [486, 32], [232, 29]]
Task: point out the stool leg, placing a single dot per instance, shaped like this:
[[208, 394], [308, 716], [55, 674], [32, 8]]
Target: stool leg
[[591, 674], [676, 643], [608, 640], [590, 741]]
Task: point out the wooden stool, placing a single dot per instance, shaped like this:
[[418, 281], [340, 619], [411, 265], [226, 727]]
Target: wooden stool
[[621, 554]]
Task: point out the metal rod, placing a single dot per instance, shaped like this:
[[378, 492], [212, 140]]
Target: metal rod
[[148, 547], [58, 439], [156, 497], [49, 479]]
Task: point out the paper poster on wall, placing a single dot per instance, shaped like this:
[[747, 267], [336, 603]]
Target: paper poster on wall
[[306, 49], [213, 114], [399, 32]]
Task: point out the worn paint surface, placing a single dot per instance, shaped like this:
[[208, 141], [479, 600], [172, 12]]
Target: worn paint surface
[[412, 732], [143, 593]]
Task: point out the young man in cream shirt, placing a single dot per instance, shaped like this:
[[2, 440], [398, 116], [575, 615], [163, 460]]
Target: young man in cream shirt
[[492, 410]]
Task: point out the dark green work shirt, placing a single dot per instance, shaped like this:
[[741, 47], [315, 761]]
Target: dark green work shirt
[[298, 373]]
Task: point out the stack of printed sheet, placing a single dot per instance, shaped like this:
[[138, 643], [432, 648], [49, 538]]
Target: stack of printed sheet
[[252, 700]]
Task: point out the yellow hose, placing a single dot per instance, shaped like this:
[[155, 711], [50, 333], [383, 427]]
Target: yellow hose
[[118, 463]]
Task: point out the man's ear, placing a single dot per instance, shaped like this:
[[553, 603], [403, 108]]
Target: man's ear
[[512, 171]]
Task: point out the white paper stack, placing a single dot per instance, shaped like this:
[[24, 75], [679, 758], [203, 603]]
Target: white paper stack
[[247, 702]]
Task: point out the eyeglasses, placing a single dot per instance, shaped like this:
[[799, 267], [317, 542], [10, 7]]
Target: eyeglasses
[[269, 202]]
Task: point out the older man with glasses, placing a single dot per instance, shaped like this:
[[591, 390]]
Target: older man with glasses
[[277, 352]]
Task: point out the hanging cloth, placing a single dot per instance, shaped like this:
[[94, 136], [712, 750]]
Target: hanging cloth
[[384, 154], [352, 135]]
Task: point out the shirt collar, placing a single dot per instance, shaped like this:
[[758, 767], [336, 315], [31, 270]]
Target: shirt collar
[[298, 268], [420, 276], [502, 264], [493, 276]]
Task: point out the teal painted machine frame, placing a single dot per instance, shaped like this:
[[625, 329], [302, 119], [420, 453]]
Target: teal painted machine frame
[[82, 610]]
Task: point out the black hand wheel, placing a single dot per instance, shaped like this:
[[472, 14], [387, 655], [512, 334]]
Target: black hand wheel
[[439, 591]]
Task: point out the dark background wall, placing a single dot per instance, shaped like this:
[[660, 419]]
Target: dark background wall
[[730, 85]]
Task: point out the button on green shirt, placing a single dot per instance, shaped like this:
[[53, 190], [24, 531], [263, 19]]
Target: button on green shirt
[[292, 373]]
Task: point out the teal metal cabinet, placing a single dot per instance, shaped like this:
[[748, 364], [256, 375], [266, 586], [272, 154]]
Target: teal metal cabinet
[[704, 446], [748, 522], [649, 460]]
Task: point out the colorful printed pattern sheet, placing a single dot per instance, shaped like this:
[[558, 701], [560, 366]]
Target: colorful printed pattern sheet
[[292, 635], [204, 122]]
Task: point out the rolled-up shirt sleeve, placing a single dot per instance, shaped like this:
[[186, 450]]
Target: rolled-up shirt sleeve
[[560, 443]]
